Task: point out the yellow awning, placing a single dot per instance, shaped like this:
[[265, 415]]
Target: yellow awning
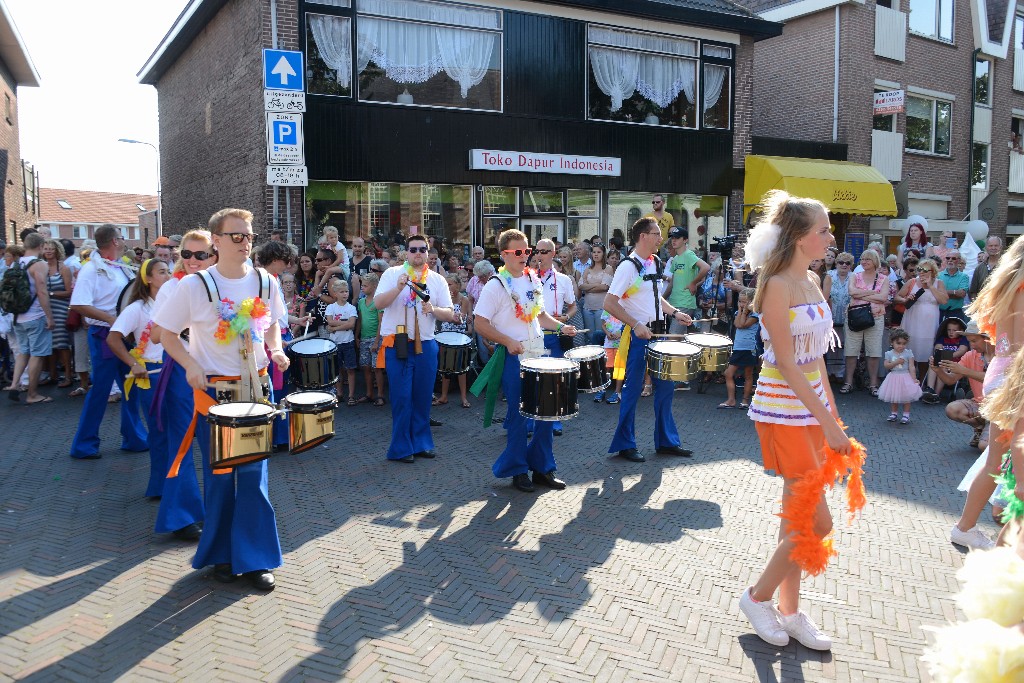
[[842, 186]]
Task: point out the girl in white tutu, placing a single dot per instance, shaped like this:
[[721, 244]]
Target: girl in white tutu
[[900, 385]]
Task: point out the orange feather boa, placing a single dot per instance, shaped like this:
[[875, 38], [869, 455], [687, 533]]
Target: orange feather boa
[[810, 551]]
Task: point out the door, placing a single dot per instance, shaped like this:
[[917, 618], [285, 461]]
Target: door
[[537, 229]]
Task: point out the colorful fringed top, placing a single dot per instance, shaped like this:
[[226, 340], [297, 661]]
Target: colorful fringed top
[[810, 326]]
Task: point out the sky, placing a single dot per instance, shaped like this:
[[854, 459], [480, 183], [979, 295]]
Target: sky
[[87, 55]]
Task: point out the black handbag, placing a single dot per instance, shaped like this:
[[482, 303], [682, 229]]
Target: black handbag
[[860, 318]]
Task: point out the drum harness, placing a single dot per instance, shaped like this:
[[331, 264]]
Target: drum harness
[[533, 347], [654, 278]]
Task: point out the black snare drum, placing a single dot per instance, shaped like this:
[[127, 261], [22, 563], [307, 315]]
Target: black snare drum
[[548, 388], [454, 353], [314, 363], [310, 419], [240, 433], [593, 367]]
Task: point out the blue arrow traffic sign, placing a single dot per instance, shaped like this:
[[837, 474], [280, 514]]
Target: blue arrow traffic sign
[[283, 70]]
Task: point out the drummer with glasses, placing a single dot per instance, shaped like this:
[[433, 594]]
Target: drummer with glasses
[[559, 303], [635, 298], [510, 313]]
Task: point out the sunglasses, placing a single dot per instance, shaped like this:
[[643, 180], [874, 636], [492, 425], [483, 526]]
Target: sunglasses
[[418, 250], [518, 252], [655, 203], [321, 260], [238, 237], [543, 252], [201, 255], [844, 263], [374, 270]]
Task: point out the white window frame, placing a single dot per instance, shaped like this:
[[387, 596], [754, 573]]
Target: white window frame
[[939, 4], [934, 101], [80, 232], [991, 76]]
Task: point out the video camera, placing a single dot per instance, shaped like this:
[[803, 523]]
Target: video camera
[[725, 245]]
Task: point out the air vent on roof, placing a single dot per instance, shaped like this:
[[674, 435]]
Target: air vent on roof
[[141, 207], [63, 203]]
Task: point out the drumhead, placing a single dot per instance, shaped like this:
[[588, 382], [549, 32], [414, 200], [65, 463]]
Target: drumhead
[[452, 339], [585, 353], [242, 409], [313, 347], [309, 398], [674, 348], [708, 339], [548, 364]]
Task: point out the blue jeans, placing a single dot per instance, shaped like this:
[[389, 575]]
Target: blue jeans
[[592, 319]]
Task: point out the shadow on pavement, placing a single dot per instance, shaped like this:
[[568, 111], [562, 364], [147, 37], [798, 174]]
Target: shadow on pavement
[[764, 657]]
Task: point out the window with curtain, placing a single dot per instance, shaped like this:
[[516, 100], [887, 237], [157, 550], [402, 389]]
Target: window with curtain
[[717, 87], [428, 53], [642, 77], [328, 54]]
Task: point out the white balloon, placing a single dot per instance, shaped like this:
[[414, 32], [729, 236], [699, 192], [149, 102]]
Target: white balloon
[[978, 230]]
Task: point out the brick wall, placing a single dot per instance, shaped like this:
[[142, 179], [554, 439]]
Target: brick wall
[[13, 197], [743, 123], [212, 125], [1004, 100]]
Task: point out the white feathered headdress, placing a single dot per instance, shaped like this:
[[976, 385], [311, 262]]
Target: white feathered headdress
[[761, 242]]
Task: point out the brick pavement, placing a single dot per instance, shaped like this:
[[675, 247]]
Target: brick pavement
[[436, 571]]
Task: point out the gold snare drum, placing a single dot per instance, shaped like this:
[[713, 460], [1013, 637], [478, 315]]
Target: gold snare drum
[[240, 433], [673, 360], [715, 350], [310, 419]]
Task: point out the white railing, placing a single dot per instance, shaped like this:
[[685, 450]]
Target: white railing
[[1016, 183], [887, 152], [890, 33]]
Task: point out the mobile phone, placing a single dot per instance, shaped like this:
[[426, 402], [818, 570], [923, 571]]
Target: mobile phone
[[943, 354]]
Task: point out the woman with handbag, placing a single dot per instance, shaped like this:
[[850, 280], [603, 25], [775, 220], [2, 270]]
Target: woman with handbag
[[865, 319], [921, 298]]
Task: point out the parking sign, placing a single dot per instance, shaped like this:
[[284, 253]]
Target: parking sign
[[285, 143]]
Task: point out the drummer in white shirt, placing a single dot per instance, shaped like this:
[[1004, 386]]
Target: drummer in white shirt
[[632, 299], [100, 283], [559, 303], [511, 312]]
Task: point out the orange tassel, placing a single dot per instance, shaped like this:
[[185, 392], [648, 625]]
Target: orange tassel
[[811, 552]]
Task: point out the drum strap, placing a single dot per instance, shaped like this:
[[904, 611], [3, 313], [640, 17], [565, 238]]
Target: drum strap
[[490, 379], [655, 278]]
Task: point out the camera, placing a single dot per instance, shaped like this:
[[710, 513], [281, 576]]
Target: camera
[[725, 245]]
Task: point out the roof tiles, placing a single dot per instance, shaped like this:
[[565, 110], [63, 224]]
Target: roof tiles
[[92, 207]]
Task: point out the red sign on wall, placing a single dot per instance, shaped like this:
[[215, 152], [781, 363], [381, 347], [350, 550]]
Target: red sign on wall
[[892, 102]]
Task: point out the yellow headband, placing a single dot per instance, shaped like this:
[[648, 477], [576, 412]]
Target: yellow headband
[[142, 271]]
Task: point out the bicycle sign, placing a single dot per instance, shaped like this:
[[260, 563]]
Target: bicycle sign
[[284, 100]]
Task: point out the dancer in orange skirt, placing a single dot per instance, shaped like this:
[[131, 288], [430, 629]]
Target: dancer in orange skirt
[[794, 411]]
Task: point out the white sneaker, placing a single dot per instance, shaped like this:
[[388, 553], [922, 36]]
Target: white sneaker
[[765, 619], [805, 631], [973, 538]]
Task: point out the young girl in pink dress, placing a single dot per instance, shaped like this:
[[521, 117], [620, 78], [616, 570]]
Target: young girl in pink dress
[[900, 385]]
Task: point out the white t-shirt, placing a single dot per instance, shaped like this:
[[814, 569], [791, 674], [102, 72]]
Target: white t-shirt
[[133, 320], [189, 306], [74, 264], [99, 284], [558, 292], [497, 306], [345, 311], [639, 304], [163, 295], [395, 314]]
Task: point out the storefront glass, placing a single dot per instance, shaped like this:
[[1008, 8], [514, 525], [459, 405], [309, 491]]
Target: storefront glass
[[703, 216], [384, 212]]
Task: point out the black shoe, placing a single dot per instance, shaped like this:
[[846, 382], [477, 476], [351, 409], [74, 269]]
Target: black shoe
[[435, 423], [430, 455], [557, 432], [549, 479], [529, 435], [407, 458], [262, 579], [223, 573], [187, 533], [631, 455], [522, 482], [94, 456], [674, 450], [930, 398]]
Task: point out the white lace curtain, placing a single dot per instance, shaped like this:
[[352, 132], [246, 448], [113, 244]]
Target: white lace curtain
[[659, 79], [333, 38], [714, 79]]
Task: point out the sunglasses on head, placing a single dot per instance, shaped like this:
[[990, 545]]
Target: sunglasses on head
[[201, 255], [418, 250], [518, 252], [238, 237]]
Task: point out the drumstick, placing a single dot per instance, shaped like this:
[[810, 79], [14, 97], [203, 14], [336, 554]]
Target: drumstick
[[148, 372], [306, 330], [669, 336]]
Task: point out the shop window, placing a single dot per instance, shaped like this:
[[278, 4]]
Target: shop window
[[382, 213], [501, 201], [983, 81], [703, 216], [642, 78], [583, 210], [980, 166], [493, 226], [328, 54], [932, 18], [429, 53], [717, 85], [928, 124], [543, 201], [886, 122]]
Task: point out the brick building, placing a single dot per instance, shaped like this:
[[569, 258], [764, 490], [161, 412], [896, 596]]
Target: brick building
[[75, 214], [18, 202], [391, 142], [961, 65]]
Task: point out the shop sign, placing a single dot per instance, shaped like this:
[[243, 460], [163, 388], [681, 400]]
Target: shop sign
[[532, 162], [295, 176], [285, 144], [891, 102]]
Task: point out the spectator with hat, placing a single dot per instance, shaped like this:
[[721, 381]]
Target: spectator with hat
[[686, 271]]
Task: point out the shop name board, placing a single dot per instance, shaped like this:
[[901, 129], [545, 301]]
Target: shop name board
[[891, 102], [531, 162]]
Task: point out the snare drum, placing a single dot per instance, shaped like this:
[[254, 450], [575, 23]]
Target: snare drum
[[240, 433], [314, 363], [454, 353], [714, 350], [310, 419], [673, 360], [548, 389], [593, 367]]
